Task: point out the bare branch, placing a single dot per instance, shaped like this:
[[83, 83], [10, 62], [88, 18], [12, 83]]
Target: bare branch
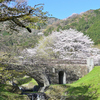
[[38, 5]]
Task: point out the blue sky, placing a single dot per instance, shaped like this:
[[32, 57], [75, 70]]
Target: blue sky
[[64, 8]]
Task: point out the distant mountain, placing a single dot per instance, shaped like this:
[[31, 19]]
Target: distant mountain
[[52, 20], [87, 22]]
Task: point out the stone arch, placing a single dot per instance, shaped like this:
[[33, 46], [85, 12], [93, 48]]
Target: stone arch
[[41, 79], [62, 77], [46, 80]]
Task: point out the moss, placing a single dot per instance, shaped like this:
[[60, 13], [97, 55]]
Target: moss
[[8, 92]]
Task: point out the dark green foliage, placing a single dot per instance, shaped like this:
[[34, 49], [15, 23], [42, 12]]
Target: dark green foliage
[[94, 32], [59, 27], [49, 31], [89, 25], [24, 41], [97, 11]]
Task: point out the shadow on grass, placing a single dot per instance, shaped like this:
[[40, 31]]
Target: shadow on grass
[[8, 92], [80, 93], [8, 88]]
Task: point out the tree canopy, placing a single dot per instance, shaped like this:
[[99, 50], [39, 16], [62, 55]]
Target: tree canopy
[[67, 44], [17, 13]]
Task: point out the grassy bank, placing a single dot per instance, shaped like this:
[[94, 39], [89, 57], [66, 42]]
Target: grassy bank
[[8, 92], [86, 88], [30, 84]]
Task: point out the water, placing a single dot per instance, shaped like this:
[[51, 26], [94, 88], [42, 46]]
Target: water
[[36, 96]]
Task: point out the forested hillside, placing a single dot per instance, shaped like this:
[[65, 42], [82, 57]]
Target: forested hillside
[[87, 22], [12, 44]]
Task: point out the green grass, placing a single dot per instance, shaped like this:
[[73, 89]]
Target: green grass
[[94, 75], [33, 81], [86, 88], [8, 92], [29, 84]]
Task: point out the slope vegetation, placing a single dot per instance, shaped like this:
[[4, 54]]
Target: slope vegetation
[[87, 22]]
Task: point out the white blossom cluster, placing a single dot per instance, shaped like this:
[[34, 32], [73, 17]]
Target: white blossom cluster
[[74, 44], [67, 44]]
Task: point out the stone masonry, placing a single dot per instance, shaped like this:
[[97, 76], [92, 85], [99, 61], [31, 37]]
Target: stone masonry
[[54, 71]]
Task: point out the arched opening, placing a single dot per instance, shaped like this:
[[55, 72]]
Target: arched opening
[[62, 77]]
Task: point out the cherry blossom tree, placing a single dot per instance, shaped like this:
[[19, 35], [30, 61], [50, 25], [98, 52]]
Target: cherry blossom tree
[[67, 44]]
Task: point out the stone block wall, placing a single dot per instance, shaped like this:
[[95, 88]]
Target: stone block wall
[[56, 72]]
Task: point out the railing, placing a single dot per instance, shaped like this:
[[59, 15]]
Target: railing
[[60, 61], [55, 61]]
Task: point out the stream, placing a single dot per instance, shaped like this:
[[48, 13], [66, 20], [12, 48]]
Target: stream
[[34, 94]]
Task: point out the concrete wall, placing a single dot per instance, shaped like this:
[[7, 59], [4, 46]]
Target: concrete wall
[[90, 64]]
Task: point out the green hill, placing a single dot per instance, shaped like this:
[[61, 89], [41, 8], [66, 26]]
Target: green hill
[[86, 88], [87, 22]]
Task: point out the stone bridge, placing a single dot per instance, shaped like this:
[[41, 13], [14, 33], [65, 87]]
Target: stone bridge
[[54, 71]]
